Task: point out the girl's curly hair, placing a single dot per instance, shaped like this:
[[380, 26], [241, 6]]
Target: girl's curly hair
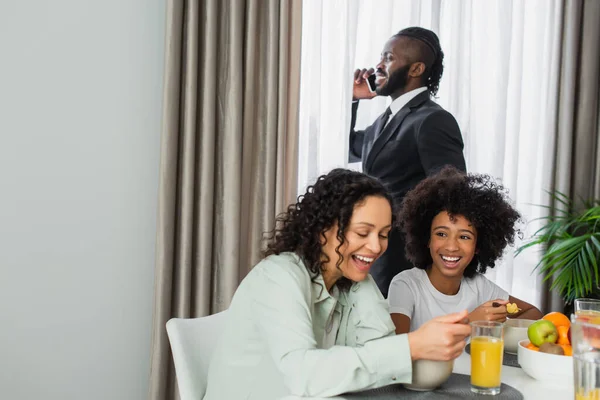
[[331, 199], [476, 197]]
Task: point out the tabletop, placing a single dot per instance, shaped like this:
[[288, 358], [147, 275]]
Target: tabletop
[[530, 388]]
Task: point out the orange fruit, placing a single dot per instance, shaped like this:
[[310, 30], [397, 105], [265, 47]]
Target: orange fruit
[[558, 319], [563, 335], [531, 346], [567, 349]]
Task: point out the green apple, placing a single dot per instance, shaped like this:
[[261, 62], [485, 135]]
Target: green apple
[[541, 332]]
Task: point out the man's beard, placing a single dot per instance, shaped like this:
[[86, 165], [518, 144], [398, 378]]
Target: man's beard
[[396, 81]]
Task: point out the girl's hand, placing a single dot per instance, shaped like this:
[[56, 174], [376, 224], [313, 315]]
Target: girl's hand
[[493, 310]]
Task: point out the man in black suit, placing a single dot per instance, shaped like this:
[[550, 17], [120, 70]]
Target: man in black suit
[[413, 138]]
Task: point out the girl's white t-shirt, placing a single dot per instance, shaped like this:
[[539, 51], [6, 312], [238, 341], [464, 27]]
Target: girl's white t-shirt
[[412, 294]]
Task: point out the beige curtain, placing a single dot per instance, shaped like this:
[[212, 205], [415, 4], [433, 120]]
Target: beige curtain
[[228, 162], [577, 158]]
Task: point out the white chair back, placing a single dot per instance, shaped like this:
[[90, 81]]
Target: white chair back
[[192, 343]]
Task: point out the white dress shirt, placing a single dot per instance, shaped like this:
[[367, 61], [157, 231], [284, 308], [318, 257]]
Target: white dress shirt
[[287, 335], [402, 101]]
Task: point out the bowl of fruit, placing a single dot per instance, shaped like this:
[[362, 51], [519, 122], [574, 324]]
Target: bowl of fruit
[[546, 354]]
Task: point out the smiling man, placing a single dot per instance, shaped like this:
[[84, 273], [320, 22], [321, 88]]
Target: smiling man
[[413, 138]]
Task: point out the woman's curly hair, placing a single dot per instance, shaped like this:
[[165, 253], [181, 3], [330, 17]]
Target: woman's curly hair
[[331, 199], [476, 197]]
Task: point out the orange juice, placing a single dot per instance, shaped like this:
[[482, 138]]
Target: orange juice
[[486, 361], [589, 316], [593, 394]]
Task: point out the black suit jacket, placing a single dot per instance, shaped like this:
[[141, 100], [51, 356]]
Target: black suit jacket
[[419, 140]]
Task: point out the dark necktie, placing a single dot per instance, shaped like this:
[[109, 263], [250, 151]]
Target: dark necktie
[[384, 119]]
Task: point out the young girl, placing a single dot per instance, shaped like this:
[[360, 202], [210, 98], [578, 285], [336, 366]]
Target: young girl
[[308, 320], [457, 225]]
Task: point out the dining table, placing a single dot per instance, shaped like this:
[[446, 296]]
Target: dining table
[[530, 388]]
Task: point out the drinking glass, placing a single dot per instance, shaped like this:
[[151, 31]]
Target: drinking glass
[[487, 350], [585, 340]]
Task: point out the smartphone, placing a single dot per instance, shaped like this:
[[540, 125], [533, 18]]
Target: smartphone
[[371, 82]]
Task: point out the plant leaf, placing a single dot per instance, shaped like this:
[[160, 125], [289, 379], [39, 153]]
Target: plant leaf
[[569, 238], [592, 258]]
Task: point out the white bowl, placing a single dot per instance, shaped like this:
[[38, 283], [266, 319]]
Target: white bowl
[[515, 330], [428, 374], [544, 366]]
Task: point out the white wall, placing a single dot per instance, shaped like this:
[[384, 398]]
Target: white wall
[[80, 111]]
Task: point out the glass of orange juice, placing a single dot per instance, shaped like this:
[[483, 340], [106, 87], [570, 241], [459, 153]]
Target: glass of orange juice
[[585, 339], [487, 350]]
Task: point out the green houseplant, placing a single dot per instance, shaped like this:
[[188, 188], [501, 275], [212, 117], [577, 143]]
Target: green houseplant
[[571, 240]]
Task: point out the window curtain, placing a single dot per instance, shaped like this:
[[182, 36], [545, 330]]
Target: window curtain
[[576, 169], [501, 77], [228, 156]]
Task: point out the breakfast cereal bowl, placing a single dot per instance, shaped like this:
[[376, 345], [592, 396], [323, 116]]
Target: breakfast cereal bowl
[[428, 374], [544, 366], [515, 330]]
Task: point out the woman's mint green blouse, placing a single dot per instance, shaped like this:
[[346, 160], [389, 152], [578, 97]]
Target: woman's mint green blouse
[[287, 335]]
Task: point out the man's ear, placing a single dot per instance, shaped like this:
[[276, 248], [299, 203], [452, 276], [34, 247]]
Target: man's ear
[[416, 69]]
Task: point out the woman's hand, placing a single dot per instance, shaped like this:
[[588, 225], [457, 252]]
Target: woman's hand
[[441, 338], [493, 310]]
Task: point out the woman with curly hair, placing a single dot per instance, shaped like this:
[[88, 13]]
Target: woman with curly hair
[[309, 320], [457, 225]]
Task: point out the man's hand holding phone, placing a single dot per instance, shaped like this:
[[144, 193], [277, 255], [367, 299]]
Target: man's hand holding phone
[[362, 88]]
